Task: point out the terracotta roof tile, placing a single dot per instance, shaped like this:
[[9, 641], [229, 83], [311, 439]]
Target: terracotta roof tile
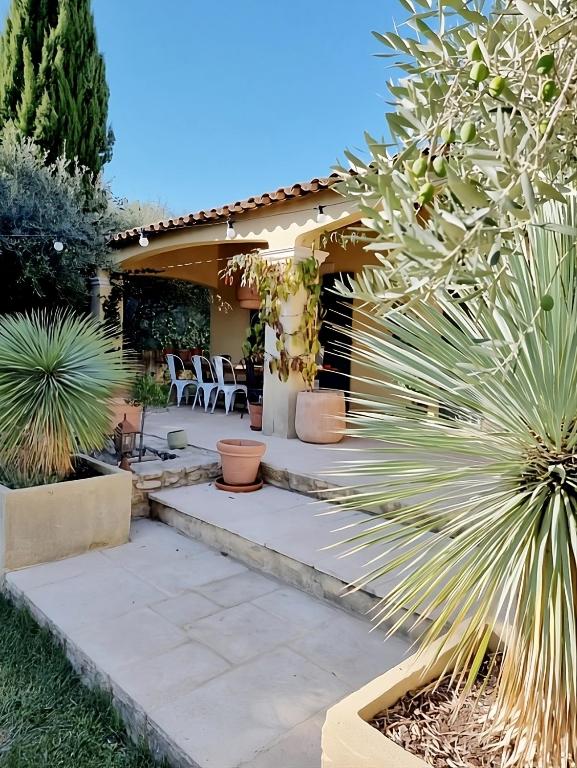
[[215, 215]]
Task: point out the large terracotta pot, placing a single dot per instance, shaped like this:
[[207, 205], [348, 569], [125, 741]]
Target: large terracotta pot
[[248, 297], [255, 411], [320, 416], [240, 460]]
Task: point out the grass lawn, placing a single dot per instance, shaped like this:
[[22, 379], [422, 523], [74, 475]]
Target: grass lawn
[[47, 717]]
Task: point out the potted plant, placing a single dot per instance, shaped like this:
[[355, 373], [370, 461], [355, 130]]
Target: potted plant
[[147, 393], [240, 460], [248, 297], [253, 350], [320, 417], [58, 374]]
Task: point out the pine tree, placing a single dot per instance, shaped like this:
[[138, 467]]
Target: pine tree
[[53, 82]]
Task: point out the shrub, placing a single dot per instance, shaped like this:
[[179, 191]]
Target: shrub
[[488, 529], [41, 203], [58, 374]]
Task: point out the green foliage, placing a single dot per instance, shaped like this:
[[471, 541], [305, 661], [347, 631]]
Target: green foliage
[[52, 80], [137, 213], [161, 313], [47, 717], [477, 464], [40, 203], [253, 346], [148, 392], [58, 375], [493, 93], [276, 282]]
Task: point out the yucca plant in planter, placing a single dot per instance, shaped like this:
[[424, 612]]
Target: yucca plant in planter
[[58, 375], [477, 434]]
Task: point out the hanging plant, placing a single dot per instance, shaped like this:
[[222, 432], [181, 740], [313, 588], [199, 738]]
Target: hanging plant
[[276, 282]]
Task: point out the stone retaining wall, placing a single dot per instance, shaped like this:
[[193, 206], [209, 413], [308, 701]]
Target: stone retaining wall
[[191, 467]]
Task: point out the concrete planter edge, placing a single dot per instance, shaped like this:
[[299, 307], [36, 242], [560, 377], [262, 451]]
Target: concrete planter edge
[[60, 520], [347, 737]]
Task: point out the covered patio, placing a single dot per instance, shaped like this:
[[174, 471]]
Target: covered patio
[[291, 223]]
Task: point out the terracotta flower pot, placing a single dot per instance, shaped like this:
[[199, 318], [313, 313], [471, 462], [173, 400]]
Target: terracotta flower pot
[[240, 460], [255, 411], [320, 416], [248, 297]]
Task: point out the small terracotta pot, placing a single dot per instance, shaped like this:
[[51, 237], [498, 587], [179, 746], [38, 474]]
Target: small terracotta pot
[[248, 297], [320, 416], [255, 411], [240, 460]]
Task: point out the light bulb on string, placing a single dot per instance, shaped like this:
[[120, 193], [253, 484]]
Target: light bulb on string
[[142, 240], [322, 217], [230, 230], [58, 246]]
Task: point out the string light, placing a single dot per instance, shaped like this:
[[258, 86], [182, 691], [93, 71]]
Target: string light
[[58, 246], [142, 240], [230, 230], [131, 232], [322, 217]]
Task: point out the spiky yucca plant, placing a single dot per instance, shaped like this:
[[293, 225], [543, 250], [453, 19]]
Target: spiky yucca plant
[[477, 430], [58, 373]]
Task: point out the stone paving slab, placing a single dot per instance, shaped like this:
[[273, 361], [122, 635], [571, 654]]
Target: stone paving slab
[[284, 534], [218, 666]]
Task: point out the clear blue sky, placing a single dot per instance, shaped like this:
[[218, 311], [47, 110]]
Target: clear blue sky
[[215, 101]]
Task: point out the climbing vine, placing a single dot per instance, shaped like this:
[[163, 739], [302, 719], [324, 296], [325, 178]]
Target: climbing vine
[[275, 282]]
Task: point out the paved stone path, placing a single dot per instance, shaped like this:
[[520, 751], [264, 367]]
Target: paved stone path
[[218, 665]]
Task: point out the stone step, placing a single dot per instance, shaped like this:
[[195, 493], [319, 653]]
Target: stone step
[[281, 533], [192, 465], [216, 666]]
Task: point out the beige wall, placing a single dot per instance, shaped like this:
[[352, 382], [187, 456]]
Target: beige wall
[[228, 323], [275, 228]]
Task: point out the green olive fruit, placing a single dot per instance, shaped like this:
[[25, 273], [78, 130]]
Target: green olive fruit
[[549, 90], [420, 166], [426, 193], [495, 258], [543, 127], [440, 165], [479, 72], [497, 86], [468, 132], [545, 63], [474, 51], [547, 302], [448, 134]]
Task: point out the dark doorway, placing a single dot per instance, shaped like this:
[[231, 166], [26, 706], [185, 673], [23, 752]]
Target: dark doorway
[[335, 334]]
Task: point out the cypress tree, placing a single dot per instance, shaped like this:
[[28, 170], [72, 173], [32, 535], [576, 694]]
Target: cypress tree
[[53, 82]]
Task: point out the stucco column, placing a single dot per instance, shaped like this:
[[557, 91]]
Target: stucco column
[[100, 291], [279, 397]]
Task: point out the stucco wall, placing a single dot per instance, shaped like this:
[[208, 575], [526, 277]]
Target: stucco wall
[[228, 323]]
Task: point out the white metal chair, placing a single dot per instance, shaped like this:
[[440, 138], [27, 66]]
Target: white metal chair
[[179, 384], [204, 388], [228, 390]]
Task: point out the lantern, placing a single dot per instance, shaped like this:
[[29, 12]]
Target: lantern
[[125, 440]]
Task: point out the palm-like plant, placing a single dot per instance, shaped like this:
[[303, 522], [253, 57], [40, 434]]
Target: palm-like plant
[[58, 373], [487, 485]]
